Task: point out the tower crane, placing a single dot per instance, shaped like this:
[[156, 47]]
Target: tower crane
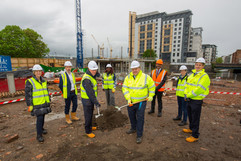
[[100, 48], [110, 48], [79, 48]]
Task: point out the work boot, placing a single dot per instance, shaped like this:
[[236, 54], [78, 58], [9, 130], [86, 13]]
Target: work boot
[[159, 114], [94, 128], [177, 118], [130, 131], [40, 138], [45, 131], [73, 116], [182, 123], [68, 119], [138, 140], [191, 139], [91, 135], [187, 130], [151, 111]]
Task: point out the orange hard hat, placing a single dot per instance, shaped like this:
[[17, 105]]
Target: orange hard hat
[[159, 61]]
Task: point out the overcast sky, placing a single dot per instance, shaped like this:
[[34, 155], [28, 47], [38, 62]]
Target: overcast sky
[[55, 20]]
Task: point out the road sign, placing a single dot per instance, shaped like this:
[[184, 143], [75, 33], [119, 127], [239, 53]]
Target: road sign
[[5, 63]]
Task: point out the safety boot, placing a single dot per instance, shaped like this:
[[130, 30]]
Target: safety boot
[[40, 138], [130, 131], [73, 116], [94, 128], [177, 118], [182, 123], [187, 130], [151, 111], [138, 140], [191, 139], [159, 114], [45, 131], [91, 135], [68, 119]]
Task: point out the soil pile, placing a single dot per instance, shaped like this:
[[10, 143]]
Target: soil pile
[[112, 118]]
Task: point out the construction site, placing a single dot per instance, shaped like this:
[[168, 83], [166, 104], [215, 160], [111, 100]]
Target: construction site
[[163, 139]]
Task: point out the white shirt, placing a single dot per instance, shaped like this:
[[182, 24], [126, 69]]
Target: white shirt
[[71, 81]]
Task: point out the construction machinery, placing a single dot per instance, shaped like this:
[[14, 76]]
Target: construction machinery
[[79, 48], [110, 48], [100, 48]]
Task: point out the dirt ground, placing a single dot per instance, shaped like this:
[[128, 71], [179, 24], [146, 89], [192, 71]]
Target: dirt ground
[[220, 132]]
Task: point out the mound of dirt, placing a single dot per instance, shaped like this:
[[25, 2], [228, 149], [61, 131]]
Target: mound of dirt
[[112, 118]]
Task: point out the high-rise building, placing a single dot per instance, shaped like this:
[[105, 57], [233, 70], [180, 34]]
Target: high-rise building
[[209, 53], [167, 34]]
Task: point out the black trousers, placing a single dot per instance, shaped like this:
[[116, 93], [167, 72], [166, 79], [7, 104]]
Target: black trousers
[[159, 100], [40, 124], [88, 114], [194, 108], [73, 98]]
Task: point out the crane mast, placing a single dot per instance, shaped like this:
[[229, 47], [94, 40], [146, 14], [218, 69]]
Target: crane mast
[[79, 48]]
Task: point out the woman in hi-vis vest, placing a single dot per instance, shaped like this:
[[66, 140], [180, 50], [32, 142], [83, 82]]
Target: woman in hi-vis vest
[[37, 99]]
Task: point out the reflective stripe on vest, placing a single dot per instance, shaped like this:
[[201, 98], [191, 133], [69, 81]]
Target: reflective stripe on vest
[[108, 82], [64, 78], [40, 93], [181, 86], [94, 83], [158, 79]]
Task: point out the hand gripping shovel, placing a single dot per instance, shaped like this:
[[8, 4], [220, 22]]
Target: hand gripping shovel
[[119, 108], [98, 115]]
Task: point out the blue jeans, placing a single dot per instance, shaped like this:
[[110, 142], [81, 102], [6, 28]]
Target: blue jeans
[[73, 98], [182, 108], [136, 115]]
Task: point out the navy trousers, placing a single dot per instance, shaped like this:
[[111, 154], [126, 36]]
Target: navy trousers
[[182, 108], [136, 115], [88, 114], [40, 124], [73, 98], [159, 100], [194, 108]]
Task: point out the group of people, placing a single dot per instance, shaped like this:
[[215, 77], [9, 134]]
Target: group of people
[[138, 88]]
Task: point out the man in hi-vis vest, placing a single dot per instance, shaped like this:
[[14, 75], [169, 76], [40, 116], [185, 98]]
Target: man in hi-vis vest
[[69, 90], [159, 76]]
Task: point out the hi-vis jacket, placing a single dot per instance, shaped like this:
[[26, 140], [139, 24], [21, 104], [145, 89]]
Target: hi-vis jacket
[[94, 84], [139, 88], [158, 79], [197, 87], [181, 85], [65, 90], [108, 81]]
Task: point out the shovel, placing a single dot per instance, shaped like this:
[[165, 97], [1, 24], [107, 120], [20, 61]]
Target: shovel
[[98, 115], [119, 108]]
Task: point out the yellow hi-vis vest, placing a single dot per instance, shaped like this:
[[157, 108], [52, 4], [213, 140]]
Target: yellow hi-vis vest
[[197, 87], [180, 86], [139, 88], [40, 93], [108, 82], [64, 78], [94, 83]]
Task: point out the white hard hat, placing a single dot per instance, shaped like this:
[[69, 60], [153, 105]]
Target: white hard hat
[[135, 64], [108, 66], [200, 60], [37, 67], [183, 67], [68, 63], [92, 65]]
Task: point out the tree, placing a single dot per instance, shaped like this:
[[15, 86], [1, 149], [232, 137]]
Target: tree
[[219, 60], [149, 53], [27, 43]]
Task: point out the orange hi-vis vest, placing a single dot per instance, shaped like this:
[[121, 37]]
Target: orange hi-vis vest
[[158, 79]]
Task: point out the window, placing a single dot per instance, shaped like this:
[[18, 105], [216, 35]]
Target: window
[[179, 41], [156, 20], [175, 20], [142, 46], [174, 42], [178, 49], [173, 54], [175, 29], [180, 24], [174, 49], [169, 21], [142, 35], [174, 46], [180, 19], [148, 44], [147, 21], [179, 37], [166, 48], [142, 28], [177, 54], [173, 60], [178, 45], [179, 33], [156, 24], [169, 25], [180, 28], [174, 37], [149, 34], [167, 32], [175, 33], [175, 25], [167, 40], [149, 27]]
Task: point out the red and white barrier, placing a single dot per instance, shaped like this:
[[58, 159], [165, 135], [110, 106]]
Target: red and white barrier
[[172, 89]]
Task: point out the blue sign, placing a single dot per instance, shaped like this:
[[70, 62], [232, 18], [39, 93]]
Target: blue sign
[[5, 63]]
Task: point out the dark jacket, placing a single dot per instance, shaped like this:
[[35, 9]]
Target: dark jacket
[[180, 77], [162, 82], [68, 84], [39, 109], [88, 86]]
